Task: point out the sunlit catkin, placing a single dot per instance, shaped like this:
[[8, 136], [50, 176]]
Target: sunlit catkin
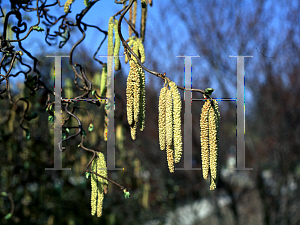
[[141, 50], [102, 183], [170, 158], [162, 118], [129, 96], [67, 5], [86, 3], [177, 136], [136, 92], [94, 190], [103, 81], [133, 127], [110, 42], [169, 118], [204, 139], [213, 121], [136, 50], [117, 46]]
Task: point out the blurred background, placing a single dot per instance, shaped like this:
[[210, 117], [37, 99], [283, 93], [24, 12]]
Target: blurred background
[[269, 194]]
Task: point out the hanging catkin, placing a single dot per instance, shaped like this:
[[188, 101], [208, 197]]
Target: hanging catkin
[[135, 93], [102, 183], [94, 190], [162, 118], [177, 136], [204, 139], [170, 158], [213, 121], [129, 95], [117, 47], [110, 42], [169, 118], [67, 5]]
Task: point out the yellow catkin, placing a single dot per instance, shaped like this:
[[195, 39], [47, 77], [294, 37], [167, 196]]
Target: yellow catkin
[[103, 81], [169, 118], [177, 136], [110, 42], [136, 92], [141, 50], [102, 183], [94, 188], [126, 57], [162, 118], [204, 139], [129, 96], [170, 158], [86, 3], [67, 5], [103, 93], [133, 127], [213, 120], [130, 44], [117, 46], [136, 50], [142, 113]]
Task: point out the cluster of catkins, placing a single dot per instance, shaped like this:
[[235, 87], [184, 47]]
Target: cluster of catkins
[[113, 49], [209, 137], [169, 124], [99, 185], [135, 88]]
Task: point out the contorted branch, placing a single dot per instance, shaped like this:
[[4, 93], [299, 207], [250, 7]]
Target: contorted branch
[[126, 47]]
